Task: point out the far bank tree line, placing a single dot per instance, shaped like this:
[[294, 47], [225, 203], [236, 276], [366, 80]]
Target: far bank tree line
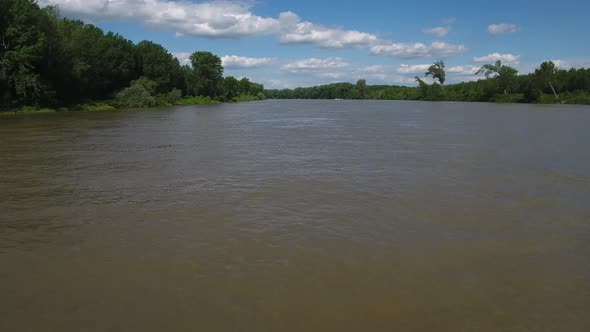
[[547, 84], [49, 61]]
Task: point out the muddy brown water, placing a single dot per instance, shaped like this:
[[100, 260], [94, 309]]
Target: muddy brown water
[[297, 216]]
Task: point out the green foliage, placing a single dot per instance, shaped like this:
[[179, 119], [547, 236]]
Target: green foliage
[[96, 107], [50, 61], [231, 88], [360, 89], [546, 75], [505, 76], [158, 65], [490, 70], [423, 87], [199, 100], [138, 95], [506, 98], [246, 98], [173, 97], [28, 110], [574, 85], [437, 71], [22, 44], [207, 74], [576, 97]]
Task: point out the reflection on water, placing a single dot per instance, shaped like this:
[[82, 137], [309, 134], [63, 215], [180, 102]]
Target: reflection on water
[[297, 216]]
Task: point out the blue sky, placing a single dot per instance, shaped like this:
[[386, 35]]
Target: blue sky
[[303, 43]]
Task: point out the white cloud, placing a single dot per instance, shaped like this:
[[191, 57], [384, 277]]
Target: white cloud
[[465, 70], [298, 32], [207, 19], [216, 19], [449, 21], [235, 61], [375, 69], [438, 31], [235, 19], [183, 57], [418, 50], [502, 28], [315, 64], [412, 69], [572, 63], [506, 58]]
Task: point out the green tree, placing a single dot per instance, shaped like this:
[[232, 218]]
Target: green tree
[[208, 74], [230, 88], [437, 71], [546, 74], [423, 87], [22, 43], [244, 86], [139, 94], [490, 70], [157, 64], [506, 75], [361, 88]]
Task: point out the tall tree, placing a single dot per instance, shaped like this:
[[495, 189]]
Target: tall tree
[[208, 73], [230, 87], [546, 74], [22, 43], [490, 70], [422, 86], [437, 71], [361, 88], [157, 64], [244, 86], [506, 75]]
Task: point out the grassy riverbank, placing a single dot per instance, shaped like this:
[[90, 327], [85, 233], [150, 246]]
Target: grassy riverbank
[[112, 106]]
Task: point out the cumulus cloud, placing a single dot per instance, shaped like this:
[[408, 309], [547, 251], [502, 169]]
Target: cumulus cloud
[[296, 31], [465, 70], [207, 19], [235, 61], [183, 57], [418, 50], [502, 28], [412, 69], [217, 19], [575, 63], [315, 64], [438, 31], [235, 19], [506, 58], [386, 75]]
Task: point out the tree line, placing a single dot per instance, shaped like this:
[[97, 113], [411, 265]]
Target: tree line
[[50, 61], [500, 83]]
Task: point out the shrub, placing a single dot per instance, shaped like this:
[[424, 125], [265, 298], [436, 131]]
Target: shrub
[[200, 100], [138, 95], [173, 97], [508, 98]]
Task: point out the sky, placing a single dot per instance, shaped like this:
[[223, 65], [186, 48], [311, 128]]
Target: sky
[[287, 44]]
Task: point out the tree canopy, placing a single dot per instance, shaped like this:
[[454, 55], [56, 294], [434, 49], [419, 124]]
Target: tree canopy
[[49, 61], [437, 71]]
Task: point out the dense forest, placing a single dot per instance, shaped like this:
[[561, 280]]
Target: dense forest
[[499, 83], [50, 61]]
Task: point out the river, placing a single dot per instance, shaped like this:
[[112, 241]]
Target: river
[[297, 216]]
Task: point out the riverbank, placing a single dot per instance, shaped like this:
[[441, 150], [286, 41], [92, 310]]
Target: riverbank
[[105, 106]]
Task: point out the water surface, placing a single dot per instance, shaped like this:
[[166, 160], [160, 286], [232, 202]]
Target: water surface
[[297, 216]]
